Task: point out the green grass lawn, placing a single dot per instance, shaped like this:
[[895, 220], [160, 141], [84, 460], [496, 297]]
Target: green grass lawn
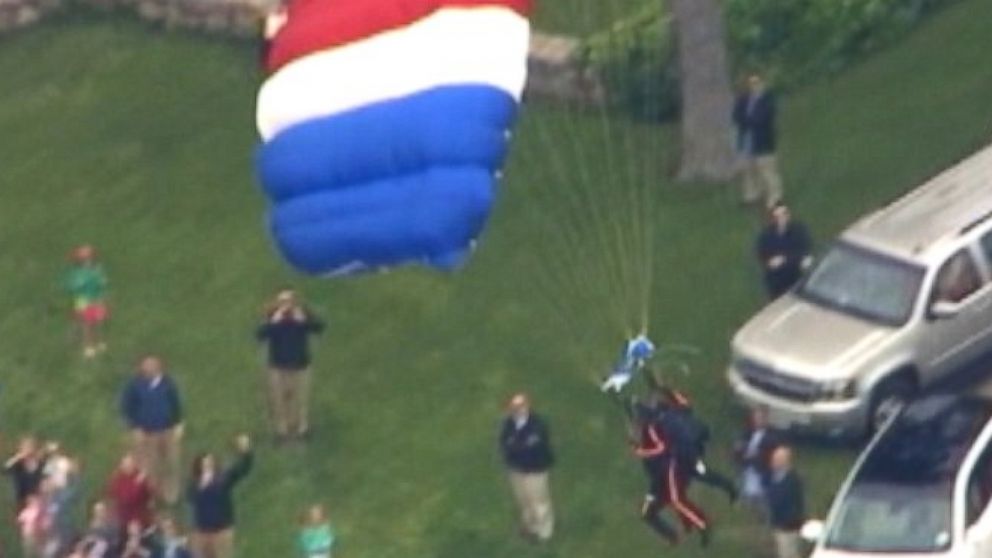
[[142, 143]]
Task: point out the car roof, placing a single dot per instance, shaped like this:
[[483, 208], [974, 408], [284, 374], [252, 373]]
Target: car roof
[[946, 206], [927, 442]]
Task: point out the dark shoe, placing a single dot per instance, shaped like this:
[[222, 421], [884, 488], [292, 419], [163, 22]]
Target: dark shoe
[[279, 440], [704, 537], [304, 435]]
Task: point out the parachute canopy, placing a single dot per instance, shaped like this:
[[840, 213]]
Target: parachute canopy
[[385, 124]]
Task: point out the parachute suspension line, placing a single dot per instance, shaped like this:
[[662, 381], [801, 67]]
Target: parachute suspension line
[[596, 202], [592, 265], [567, 261], [645, 205], [619, 218], [600, 241], [636, 232], [636, 191], [623, 205], [598, 217], [560, 246], [650, 211]]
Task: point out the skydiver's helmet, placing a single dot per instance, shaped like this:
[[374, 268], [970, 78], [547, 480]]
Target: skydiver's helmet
[[648, 408]]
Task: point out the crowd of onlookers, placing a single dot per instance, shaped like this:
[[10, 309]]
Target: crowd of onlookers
[[135, 513], [133, 517], [122, 522]]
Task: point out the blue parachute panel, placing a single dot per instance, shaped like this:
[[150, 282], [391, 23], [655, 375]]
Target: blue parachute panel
[[430, 217]]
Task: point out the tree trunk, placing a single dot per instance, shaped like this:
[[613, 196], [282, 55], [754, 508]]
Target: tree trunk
[[707, 98]]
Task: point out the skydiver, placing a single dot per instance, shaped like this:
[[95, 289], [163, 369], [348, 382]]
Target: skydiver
[[651, 447], [689, 437], [666, 480]]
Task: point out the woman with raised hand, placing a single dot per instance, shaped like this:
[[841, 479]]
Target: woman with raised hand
[[210, 495]]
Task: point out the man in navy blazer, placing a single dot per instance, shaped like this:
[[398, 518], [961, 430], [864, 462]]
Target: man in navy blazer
[[754, 117]]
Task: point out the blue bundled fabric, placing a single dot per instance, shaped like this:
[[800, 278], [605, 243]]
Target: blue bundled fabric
[[409, 180]]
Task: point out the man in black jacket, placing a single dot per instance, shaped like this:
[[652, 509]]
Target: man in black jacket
[[287, 330], [526, 446], [783, 249], [754, 117], [785, 504]]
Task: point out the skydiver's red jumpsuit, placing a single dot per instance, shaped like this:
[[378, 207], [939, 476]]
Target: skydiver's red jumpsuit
[[666, 485]]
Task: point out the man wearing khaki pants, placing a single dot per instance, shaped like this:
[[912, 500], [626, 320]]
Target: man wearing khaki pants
[[526, 447], [152, 409], [287, 328], [754, 117]]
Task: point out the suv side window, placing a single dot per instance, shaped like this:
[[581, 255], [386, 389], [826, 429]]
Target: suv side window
[[979, 488], [957, 279], [986, 243]]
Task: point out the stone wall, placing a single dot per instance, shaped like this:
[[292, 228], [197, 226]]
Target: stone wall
[[15, 14], [556, 71], [239, 18]]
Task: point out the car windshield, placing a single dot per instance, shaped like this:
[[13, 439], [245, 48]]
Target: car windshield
[[899, 499], [880, 517], [863, 283]]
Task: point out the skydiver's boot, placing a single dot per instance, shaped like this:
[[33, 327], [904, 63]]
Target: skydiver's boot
[[666, 531], [650, 515], [705, 536]]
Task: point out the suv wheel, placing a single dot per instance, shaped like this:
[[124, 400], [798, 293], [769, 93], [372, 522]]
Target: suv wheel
[[888, 399]]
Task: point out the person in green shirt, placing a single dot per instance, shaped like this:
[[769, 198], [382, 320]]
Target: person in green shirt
[[316, 535], [86, 283]]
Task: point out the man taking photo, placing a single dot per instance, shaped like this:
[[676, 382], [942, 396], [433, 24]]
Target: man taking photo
[[286, 330]]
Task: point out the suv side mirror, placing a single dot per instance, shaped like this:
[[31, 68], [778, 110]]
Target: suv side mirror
[[812, 531], [944, 309]]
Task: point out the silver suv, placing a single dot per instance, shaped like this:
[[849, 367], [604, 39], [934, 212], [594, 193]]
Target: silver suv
[[901, 299]]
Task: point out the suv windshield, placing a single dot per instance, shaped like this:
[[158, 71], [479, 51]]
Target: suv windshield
[[900, 497], [885, 517], [863, 283]]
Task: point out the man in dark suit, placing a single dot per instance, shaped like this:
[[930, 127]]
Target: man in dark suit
[[526, 447], [753, 452], [783, 249], [786, 507], [754, 117]]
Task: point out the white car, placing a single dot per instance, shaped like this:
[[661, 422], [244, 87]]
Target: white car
[[920, 489]]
